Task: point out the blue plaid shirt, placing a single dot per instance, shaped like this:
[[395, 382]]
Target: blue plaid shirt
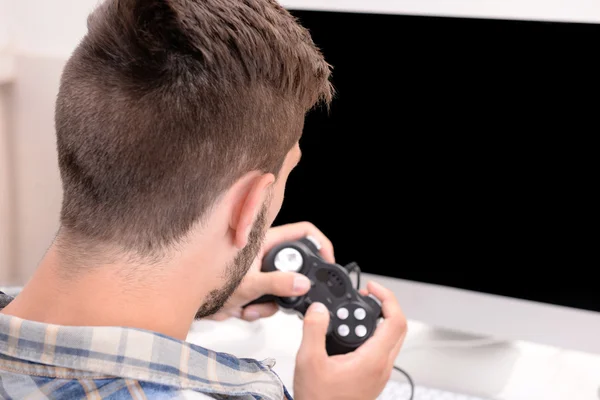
[[45, 361]]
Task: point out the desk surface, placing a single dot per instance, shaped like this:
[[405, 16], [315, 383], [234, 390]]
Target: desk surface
[[506, 371], [497, 316]]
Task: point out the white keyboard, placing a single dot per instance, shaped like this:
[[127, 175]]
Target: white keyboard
[[395, 390]]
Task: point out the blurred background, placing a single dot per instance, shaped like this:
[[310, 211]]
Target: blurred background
[[466, 128], [36, 38]]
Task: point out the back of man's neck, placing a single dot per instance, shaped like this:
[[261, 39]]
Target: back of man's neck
[[103, 296]]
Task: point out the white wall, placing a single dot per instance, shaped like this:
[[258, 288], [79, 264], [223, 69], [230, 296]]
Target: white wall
[[4, 31], [40, 35], [5, 187], [35, 168], [36, 37], [5, 190], [49, 27]]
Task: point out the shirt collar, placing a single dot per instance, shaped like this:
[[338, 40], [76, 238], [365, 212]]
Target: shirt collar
[[135, 354]]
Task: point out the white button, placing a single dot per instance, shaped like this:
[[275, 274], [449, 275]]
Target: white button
[[360, 331], [288, 259], [360, 314], [343, 330], [342, 313]]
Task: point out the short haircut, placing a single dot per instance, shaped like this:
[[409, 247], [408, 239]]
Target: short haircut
[[166, 103]]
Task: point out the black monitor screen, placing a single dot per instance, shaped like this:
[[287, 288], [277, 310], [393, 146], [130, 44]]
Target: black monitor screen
[[459, 152]]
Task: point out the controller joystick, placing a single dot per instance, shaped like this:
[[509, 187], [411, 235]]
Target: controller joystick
[[353, 317]]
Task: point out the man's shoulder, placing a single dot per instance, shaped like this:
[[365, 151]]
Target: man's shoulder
[[156, 365]]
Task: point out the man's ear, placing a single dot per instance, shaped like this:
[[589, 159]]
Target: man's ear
[[253, 191]]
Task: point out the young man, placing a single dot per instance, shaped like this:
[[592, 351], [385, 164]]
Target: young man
[[177, 125]]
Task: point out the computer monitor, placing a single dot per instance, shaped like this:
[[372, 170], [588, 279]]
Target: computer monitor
[[460, 153]]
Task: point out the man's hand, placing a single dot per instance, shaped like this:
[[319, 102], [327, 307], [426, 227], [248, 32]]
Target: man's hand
[[359, 375], [284, 284]]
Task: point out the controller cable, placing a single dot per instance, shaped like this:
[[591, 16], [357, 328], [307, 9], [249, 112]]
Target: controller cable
[[409, 379], [353, 267]]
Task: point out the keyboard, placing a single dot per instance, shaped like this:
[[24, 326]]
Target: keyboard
[[395, 390]]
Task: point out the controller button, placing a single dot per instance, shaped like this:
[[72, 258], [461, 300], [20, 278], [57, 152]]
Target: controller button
[[289, 300], [343, 330], [288, 259], [360, 314], [348, 295], [342, 313], [314, 241], [360, 331]]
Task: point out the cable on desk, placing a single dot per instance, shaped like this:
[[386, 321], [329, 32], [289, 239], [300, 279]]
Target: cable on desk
[[409, 379]]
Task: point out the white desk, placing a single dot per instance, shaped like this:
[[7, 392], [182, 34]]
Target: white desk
[[509, 371]]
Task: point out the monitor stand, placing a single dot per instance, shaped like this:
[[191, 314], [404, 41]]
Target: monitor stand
[[457, 361]]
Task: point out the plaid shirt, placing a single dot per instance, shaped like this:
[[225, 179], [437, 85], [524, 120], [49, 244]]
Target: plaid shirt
[[45, 361]]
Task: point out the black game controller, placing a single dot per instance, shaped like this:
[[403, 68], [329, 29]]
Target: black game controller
[[353, 317]]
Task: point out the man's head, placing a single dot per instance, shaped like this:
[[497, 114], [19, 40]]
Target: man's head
[[176, 117]]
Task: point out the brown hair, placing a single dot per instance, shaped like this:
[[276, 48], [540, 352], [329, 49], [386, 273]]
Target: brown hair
[[166, 103]]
